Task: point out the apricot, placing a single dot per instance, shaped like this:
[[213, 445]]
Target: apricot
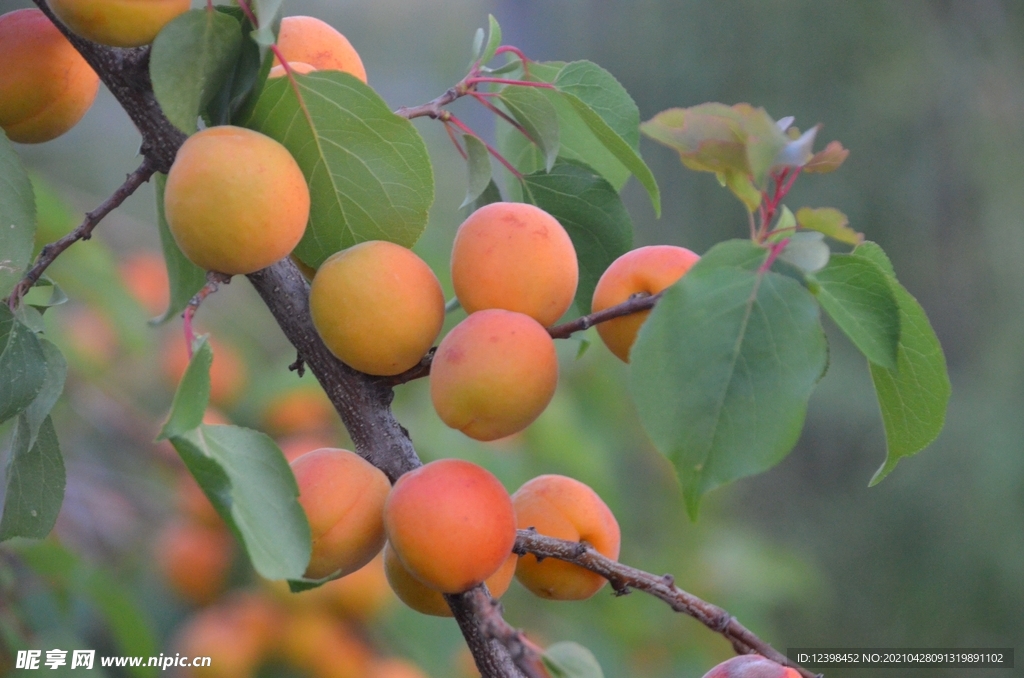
[[516, 257], [311, 41], [343, 496], [451, 524], [228, 373], [305, 409], [195, 559], [493, 374], [751, 666], [426, 600], [118, 23], [360, 596], [395, 668], [323, 647], [297, 66], [145, 276], [377, 306], [235, 200], [45, 84], [564, 508], [229, 636], [645, 269]]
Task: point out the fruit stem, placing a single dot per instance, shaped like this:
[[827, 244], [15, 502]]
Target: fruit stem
[[213, 282]]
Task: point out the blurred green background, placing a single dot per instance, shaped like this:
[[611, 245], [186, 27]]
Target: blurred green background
[[928, 96]]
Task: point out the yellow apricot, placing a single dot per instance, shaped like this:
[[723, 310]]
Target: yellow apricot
[[517, 257], [426, 600], [564, 508], [309, 40], [645, 269], [451, 524], [297, 66], [45, 84], [493, 374], [118, 23], [377, 306], [236, 201], [343, 496]]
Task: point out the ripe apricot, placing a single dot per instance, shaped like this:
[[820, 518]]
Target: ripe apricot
[[377, 306], [236, 201], [751, 666], [516, 257], [297, 66], [311, 41], [228, 372], [195, 559], [645, 269], [305, 409], [426, 600], [118, 23], [229, 633], [343, 496], [361, 595], [45, 84], [145, 276], [493, 374], [451, 524], [564, 508], [323, 647], [395, 668]]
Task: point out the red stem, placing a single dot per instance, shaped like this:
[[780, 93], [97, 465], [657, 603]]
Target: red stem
[[519, 53], [773, 254], [501, 114], [244, 4], [493, 151], [451, 135], [506, 81]]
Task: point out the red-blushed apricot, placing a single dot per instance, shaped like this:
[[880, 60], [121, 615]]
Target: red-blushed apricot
[[426, 600], [564, 508], [228, 373], [311, 41], [377, 306], [322, 646], [195, 559], [145, 276], [118, 23], [395, 668], [493, 374], [305, 409], [296, 66], [751, 666], [645, 269], [235, 200], [516, 257], [451, 523], [343, 496], [45, 84]]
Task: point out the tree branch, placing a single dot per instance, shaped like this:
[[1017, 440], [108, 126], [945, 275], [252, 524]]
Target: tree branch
[[624, 579], [83, 231]]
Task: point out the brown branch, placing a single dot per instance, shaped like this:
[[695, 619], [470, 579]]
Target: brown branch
[[434, 108], [624, 579], [83, 231], [525, 654]]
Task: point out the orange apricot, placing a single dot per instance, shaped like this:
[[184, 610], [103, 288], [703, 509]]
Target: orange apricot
[[343, 496], [377, 306], [235, 200], [362, 595], [145, 276], [195, 559], [516, 257], [564, 508], [297, 66], [395, 668], [305, 409], [751, 666], [222, 633], [227, 372], [451, 524], [323, 646], [645, 269], [118, 23], [45, 84], [493, 374], [311, 41], [426, 600]]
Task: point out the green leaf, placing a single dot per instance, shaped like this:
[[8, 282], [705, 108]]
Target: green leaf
[[35, 483], [193, 393], [268, 16], [478, 47], [236, 97], [249, 482], [742, 187], [53, 385], [829, 221], [17, 217], [571, 660], [531, 108], [22, 365], [478, 163], [914, 397], [807, 251], [185, 86], [184, 277], [723, 368], [490, 194], [592, 213], [493, 39], [857, 295], [368, 170]]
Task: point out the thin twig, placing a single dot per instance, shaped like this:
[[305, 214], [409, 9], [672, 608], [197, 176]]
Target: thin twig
[[624, 579], [83, 231], [213, 281]]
